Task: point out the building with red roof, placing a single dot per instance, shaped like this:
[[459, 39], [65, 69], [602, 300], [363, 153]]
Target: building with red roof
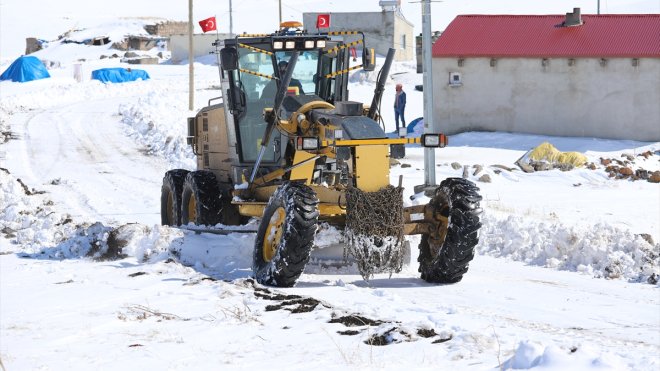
[[572, 75]]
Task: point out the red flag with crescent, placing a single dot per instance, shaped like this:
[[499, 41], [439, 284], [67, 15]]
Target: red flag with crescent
[[323, 21], [208, 24]]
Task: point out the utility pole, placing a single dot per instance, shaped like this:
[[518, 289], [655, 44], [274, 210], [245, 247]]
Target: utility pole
[[429, 124], [191, 56], [231, 21], [598, 7], [278, 26]]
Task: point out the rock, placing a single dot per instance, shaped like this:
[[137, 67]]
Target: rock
[[485, 178], [541, 166], [642, 174], [503, 167], [130, 55], [564, 167], [465, 172], [646, 154], [394, 162], [626, 171], [655, 177], [405, 165], [160, 55], [628, 156], [477, 170], [647, 237], [525, 167], [591, 166], [456, 165], [605, 161], [103, 56]]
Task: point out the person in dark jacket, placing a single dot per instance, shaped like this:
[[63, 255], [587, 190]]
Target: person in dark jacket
[[295, 87], [399, 106]]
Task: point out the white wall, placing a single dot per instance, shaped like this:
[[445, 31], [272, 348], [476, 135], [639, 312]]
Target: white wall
[[617, 100], [202, 45], [382, 30]]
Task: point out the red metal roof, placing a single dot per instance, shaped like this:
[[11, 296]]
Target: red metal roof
[[621, 35]]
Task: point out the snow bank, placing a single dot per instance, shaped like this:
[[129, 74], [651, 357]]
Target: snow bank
[[157, 121], [530, 355], [601, 250]]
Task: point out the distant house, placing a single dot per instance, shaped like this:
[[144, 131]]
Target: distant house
[[382, 30], [573, 75]]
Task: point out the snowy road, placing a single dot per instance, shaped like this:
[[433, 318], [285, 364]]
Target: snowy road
[[79, 154]]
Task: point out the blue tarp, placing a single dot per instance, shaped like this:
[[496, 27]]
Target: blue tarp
[[415, 128], [119, 74], [25, 68]]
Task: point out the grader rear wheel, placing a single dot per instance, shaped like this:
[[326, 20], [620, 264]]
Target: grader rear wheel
[[285, 235], [201, 199], [445, 254]]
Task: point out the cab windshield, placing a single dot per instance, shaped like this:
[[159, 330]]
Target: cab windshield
[[256, 70]]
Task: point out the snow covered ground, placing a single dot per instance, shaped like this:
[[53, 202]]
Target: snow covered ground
[[565, 276]]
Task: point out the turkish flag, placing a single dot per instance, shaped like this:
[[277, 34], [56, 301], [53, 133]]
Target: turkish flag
[[323, 21], [207, 24]]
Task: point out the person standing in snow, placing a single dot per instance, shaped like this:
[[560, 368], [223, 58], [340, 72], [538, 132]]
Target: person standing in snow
[[399, 106]]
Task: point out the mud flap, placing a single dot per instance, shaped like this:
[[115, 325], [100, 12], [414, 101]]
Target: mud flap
[[397, 151]]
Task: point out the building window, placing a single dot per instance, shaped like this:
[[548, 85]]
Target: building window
[[455, 79], [403, 42]]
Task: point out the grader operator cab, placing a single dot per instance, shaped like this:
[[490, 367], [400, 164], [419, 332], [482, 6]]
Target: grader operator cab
[[286, 145]]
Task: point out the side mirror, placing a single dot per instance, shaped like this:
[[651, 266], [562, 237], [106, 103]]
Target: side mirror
[[229, 58], [368, 59]]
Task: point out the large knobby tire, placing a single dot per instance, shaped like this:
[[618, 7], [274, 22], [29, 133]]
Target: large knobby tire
[[200, 201], [444, 254], [170, 197], [286, 235]]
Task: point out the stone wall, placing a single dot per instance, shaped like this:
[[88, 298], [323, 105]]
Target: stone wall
[[167, 28]]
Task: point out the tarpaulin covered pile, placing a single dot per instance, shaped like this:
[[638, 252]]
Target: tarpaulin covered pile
[[119, 74], [25, 68]]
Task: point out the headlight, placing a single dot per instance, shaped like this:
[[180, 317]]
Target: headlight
[[307, 143], [278, 44], [320, 44], [290, 45], [309, 44], [434, 140]]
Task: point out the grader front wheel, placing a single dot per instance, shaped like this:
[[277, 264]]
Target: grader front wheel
[[285, 235], [444, 254], [170, 197]]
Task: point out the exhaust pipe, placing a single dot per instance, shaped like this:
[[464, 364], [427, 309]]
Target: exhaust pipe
[[380, 84]]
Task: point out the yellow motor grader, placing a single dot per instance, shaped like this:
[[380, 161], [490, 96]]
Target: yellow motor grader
[[286, 145]]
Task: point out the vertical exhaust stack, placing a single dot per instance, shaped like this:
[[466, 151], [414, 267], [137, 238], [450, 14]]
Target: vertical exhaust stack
[[380, 84], [573, 19]]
